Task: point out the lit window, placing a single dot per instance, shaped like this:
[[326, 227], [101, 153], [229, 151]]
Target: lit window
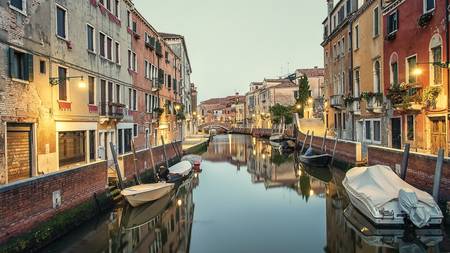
[[412, 64], [71, 147]]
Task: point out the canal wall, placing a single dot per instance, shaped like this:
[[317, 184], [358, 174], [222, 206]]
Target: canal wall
[[36, 211]]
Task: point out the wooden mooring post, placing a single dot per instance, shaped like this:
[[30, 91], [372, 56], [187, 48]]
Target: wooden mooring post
[[334, 151], [165, 152], [311, 140], [323, 141], [438, 174], [304, 141], [136, 176], [116, 165], [404, 166]]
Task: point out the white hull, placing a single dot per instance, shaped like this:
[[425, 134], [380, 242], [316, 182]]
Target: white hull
[[141, 194], [182, 168]]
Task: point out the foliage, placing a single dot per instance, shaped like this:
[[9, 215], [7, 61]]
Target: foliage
[[369, 95], [279, 112], [303, 93], [425, 19], [349, 99], [430, 95], [278, 159], [159, 111], [180, 113], [404, 95]]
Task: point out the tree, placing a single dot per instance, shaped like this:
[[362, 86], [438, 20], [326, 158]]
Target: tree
[[303, 93], [280, 112]]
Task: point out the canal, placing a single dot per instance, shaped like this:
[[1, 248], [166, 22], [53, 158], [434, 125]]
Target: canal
[[248, 198]]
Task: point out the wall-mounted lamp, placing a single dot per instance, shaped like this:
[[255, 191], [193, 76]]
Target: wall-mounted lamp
[[54, 81]]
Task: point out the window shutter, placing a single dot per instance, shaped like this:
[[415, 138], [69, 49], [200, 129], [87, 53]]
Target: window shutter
[[398, 19], [12, 64], [29, 69]]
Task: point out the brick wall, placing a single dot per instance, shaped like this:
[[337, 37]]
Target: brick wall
[[144, 159], [420, 171], [28, 203]]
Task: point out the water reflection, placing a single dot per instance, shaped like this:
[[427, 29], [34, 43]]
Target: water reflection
[[249, 193]]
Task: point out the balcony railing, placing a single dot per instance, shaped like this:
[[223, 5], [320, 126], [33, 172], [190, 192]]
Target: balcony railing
[[374, 105], [337, 101], [112, 110]]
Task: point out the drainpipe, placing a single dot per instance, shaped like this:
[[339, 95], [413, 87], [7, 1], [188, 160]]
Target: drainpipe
[[351, 75]]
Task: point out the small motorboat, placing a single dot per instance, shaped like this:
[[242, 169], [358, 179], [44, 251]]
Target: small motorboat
[[179, 171], [385, 199], [315, 159], [278, 137], [405, 240], [195, 160], [144, 193]]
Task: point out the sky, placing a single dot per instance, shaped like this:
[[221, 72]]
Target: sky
[[232, 43]]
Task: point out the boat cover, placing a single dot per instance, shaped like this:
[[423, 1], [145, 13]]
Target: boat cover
[[379, 185], [192, 159], [182, 168], [418, 213]]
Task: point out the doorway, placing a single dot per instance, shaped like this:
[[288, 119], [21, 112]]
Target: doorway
[[19, 139], [396, 133], [438, 132]]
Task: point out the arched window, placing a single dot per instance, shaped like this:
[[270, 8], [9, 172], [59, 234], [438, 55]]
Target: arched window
[[394, 68], [377, 76], [436, 58]]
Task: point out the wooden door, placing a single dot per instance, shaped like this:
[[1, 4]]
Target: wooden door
[[396, 133], [438, 134], [19, 142]]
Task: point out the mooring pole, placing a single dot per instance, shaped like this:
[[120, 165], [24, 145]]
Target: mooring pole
[[334, 151], [176, 150], [311, 140], [165, 152], [405, 159], [323, 141], [116, 165], [153, 162], [304, 141], [136, 176], [438, 174]]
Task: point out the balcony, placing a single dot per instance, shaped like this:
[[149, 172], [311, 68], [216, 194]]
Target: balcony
[[158, 49], [355, 107], [112, 110], [374, 105], [337, 101]]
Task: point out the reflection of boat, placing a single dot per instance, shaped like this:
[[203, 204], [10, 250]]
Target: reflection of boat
[[412, 240], [321, 173], [316, 159], [143, 193], [179, 171], [386, 199], [139, 216], [277, 137]]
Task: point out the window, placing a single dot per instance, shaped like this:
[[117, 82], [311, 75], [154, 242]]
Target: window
[[128, 19], [169, 82], [128, 134], [135, 130], [116, 8], [146, 69], [392, 23], [377, 131], [61, 22], [146, 102], [130, 98], [356, 36], [357, 84], [377, 76], [71, 147], [19, 5], [376, 21], [108, 5], [20, 65], [410, 127], [134, 100], [92, 145], [411, 65], [117, 52], [132, 60], [62, 83], [109, 48], [436, 53], [118, 95], [102, 39], [91, 88], [134, 26], [368, 135], [394, 72], [42, 67], [90, 38], [428, 5], [120, 141]]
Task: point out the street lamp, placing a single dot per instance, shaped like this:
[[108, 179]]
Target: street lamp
[[54, 81]]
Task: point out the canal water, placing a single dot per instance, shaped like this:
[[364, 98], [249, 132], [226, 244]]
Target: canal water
[[248, 198]]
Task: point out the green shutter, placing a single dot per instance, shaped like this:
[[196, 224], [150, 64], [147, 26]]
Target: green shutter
[[12, 64], [30, 67]]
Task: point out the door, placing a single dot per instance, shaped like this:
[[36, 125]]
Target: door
[[19, 141], [438, 137], [396, 133]]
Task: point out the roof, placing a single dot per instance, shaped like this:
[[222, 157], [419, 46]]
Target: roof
[[314, 72]]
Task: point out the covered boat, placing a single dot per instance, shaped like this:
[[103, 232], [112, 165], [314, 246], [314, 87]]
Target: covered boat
[[315, 159], [144, 193], [179, 171], [385, 199], [195, 160]]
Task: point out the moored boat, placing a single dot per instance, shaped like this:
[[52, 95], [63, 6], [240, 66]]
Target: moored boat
[[385, 199], [179, 171], [144, 193], [195, 160], [316, 159]]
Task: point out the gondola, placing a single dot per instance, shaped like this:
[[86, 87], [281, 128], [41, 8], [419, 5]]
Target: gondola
[[316, 159]]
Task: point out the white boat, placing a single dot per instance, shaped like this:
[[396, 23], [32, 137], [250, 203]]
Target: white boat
[[192, 159], [385, 199], [143, 193], [278, 137], [182, 168]]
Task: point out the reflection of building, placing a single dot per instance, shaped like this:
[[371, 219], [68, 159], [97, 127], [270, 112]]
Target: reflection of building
[[314, 107], [230, 148]]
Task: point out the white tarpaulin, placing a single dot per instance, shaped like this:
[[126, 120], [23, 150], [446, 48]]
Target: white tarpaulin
[[182, 168]]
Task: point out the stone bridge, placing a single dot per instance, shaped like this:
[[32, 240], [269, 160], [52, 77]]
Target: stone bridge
[[215, 125]]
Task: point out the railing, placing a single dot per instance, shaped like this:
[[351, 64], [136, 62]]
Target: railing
[[374, 105], [337, 101], [112, 110]]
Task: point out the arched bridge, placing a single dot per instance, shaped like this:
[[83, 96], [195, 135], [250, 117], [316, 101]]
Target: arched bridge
[[215, 125]]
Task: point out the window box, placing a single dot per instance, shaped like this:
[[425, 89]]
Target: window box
[[64, 105], [93, 108], [94, 3], [425, 19]]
